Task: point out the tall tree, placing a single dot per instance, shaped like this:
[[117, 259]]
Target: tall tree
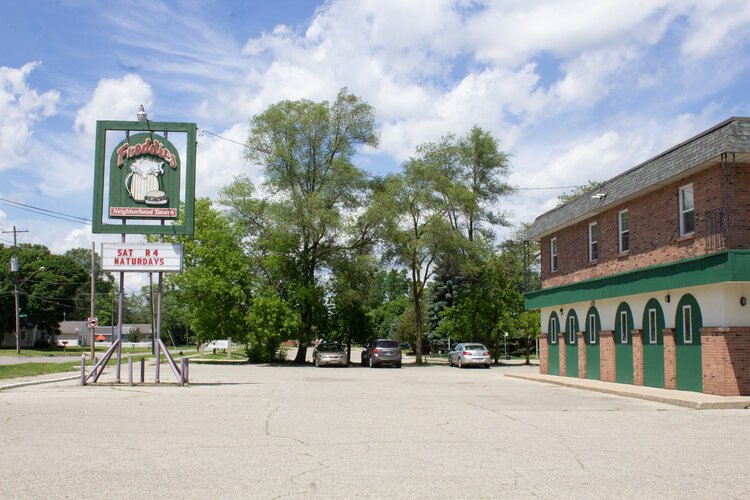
[[316, 193], [419, 230]]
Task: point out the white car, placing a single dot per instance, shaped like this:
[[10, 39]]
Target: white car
[[469, 354]]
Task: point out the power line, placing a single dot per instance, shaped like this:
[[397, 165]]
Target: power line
[[44, 211], [224, 138]]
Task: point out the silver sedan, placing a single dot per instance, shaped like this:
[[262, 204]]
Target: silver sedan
[[330, 354], [469, 354]]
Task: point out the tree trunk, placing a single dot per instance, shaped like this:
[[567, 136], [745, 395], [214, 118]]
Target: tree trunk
[[418, 324]]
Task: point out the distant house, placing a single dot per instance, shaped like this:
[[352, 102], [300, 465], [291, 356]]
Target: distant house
[[28, 337], [646, 280], [77, 333]]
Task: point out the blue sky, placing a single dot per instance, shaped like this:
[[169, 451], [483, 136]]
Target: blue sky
[[573, 89]]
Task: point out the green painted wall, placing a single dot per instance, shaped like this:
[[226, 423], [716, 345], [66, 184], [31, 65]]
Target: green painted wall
[[593, 357], [553, 362], [553, 349], [688, 355], [653, 354], [623, 350], [571, 348], [719, 267]]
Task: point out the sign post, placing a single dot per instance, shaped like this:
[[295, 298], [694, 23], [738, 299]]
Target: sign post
[[149, 187]]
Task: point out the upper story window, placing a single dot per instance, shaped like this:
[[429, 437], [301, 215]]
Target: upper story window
[[593, 242], [623, 229], [687, 210], [553, 255]]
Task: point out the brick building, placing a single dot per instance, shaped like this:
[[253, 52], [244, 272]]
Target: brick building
[[646, 280]]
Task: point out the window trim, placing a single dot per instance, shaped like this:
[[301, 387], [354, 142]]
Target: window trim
[[593, 243], [620, 231], [653, 322], [554, 332], [623, 327], [571, 330], [553, 254], [682, 212], [687, 324]]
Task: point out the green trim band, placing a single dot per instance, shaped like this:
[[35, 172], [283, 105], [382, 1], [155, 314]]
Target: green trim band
[[720, 267]]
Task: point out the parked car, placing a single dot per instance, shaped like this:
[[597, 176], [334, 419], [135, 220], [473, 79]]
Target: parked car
[[330, 353], [381, 352], [469, 354]]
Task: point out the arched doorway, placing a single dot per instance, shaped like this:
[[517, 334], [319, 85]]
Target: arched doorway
[[593, 359], [653, 344], [688, 323], [571, 344], [553, 351], [623, 344]]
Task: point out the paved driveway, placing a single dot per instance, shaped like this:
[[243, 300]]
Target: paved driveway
[[415, 432]]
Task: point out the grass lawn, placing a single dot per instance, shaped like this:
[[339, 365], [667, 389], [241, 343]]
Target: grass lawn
[[31, 369]]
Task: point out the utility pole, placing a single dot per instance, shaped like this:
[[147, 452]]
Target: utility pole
[[14, 269], [92, 329]]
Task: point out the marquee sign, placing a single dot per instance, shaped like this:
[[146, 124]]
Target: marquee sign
[[142, 257], [143, 178]]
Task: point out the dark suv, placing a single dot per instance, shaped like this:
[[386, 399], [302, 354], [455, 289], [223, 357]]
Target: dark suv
[[381, 352]]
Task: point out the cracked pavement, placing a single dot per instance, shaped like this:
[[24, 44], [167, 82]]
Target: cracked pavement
[[417, 432]]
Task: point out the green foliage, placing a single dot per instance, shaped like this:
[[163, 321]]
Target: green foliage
[[47, 285], [308, 221], [270, 321], [216, 283]]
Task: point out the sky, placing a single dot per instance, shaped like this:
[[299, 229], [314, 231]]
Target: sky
[[573, 90]]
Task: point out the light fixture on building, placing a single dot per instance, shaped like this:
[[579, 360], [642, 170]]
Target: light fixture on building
[[142, 116], [743, 301], [667, 298]]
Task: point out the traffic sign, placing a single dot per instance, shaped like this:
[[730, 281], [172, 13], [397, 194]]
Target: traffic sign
[[92, 322]]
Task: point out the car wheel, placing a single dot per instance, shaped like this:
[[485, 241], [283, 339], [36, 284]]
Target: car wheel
[[487, 366], [398, 365], [372, 363], [315, 361], [450, 361], [460, 365]]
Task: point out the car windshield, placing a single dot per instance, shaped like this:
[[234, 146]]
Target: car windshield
[[386, 343], [329, 347], [474, 347]]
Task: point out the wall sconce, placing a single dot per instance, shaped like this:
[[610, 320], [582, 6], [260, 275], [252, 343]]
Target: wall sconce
[[667, 298], [561, 310], [743, 301]]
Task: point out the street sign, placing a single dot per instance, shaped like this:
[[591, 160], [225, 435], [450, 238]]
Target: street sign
[[93, 322]]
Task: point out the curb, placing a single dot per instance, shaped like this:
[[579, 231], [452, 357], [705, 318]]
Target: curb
[[688, 401], [37, 382]]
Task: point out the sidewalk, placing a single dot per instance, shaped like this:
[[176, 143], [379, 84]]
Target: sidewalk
[[687, 399]]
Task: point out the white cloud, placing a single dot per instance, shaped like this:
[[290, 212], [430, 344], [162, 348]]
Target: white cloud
[[219, 161], [716, 25], [114, 99], [21, 107]]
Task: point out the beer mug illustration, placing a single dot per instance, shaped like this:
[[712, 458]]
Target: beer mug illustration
[[142, 183]]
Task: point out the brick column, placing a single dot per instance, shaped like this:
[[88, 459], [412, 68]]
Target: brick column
[[581, 354], [725, 353], [637, 357], [543, 355], [670, 359], [607, 354], [562, 348]]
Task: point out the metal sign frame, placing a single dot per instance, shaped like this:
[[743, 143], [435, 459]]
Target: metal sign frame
[[100, 165]]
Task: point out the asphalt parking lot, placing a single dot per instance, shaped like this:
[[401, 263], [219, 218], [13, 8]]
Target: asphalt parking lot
[[252, 431]]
